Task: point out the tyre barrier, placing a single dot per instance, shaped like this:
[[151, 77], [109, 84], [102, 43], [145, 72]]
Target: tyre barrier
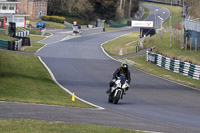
[[177, 66], [25, 41], [23, 33], [11, 45]]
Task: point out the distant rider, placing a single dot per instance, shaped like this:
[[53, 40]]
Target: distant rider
[[123, 70]]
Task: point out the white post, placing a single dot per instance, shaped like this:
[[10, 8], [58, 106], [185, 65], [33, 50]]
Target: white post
[[147, 55], [170, 23], [156, 18], [163, 16]]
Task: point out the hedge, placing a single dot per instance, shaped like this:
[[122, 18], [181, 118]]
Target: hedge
[[53, 19]]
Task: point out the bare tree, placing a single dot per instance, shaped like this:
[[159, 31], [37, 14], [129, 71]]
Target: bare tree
[[130, 6]]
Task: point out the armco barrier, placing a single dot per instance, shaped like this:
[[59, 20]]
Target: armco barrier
[[91, 30], [185, 68], [140, 15]]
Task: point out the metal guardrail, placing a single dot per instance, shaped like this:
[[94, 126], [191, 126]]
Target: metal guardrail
[[91, 30], [140, 15], [177, 66]]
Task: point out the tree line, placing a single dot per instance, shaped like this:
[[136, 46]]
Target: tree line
[[93, 9]]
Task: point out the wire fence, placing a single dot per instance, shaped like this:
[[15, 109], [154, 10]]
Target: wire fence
[[192, 25], [192, 34]]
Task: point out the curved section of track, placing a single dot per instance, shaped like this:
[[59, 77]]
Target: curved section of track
[[80, 65]]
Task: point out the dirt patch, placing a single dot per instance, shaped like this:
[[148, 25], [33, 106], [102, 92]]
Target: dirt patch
[[24, 47], [121, 51]]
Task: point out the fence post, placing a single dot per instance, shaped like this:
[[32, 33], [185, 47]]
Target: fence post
[[195, 44], [182, 40], [174, 35], [136, 48], [186, 41], [177, 37]]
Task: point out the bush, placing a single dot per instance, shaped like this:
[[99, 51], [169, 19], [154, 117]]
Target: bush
[[118, 21], [80, 21], [35, 32], [45, 18], [53, 19]]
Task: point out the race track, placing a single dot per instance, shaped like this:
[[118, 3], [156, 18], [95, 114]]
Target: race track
[[82, 67]]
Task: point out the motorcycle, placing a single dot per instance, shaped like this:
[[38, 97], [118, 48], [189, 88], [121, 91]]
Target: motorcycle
[[118, 89]]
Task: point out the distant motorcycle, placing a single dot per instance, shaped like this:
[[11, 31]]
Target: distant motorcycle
[[118, 89]]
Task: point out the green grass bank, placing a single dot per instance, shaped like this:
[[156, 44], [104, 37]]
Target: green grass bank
[[33, 126], [34, 44], [123, 45], [23, 78]]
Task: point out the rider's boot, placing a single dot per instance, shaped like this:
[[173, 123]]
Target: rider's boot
[[108, 91]]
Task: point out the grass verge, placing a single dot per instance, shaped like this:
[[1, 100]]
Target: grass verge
[[162, 47], [107, 29], [7, 38], [123, 45], [49, 24], [23, 78], [33, 126], [34, 44]]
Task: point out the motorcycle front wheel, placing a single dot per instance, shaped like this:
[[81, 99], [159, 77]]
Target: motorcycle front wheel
[[116, 99], [110, 98]]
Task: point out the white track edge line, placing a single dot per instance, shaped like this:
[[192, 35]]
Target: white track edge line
[[43, 43], [65, 89]]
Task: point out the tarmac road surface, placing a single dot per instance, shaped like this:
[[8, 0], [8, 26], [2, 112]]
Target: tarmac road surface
[[82, 67]]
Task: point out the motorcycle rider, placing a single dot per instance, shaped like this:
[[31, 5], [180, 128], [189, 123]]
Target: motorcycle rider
[[123, 70]]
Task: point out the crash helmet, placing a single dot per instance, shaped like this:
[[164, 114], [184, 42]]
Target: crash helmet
[[124, 67]]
